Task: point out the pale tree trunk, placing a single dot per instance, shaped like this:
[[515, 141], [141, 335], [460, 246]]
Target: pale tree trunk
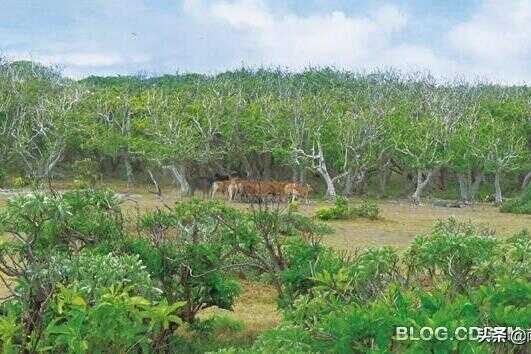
[[463, 186], [384, 174], [155, 183], [180, 178], [128, 171], [526, 180], [323, 171], [423, 178], [349, 182], [361, 180], [52, 162], [330, 189], [497, 187], [319, 165], [247, 166], [469, 185], [474, 187]]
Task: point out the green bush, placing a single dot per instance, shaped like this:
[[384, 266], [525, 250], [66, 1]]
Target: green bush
[[93, 272], [92, 303], [354, 304], [184, 249], [342, 210], [368, 209], [454, 252], [520, 205], [218, 324], [114, 321], [19, 182]]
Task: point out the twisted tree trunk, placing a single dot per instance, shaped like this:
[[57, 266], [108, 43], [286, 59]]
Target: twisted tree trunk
[[526, 180], [497, 187], [180, 178], [423, 178]]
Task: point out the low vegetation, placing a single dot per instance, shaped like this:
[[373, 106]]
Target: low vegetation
[[79, 280], [520, 205], [342, 210], [458, 275]]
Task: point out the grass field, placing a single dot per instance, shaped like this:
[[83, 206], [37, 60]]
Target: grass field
[[400, 222]]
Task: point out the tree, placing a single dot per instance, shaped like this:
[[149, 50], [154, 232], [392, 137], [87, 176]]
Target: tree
[[417, 134], [37, 111], [504, 120]]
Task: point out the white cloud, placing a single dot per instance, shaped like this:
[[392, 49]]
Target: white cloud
[[493, 41], [499, 31], [287, 39], [81, 59], [243, 14]]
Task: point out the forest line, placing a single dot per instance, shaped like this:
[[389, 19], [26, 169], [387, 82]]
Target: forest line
[[265, 124]]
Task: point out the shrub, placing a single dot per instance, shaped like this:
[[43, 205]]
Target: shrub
[[90, 303], [354, 305], [19, 182], [342, 210], [368, 209], [219, 324], [520, 205], [456, 252], [114, 321], [184, 249], [294, 206], [93, 272]]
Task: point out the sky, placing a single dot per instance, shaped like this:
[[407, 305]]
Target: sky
[[476, 39]]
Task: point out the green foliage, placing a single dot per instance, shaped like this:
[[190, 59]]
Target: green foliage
[[293, 206], [45, 222], [93, 272], [454, 252], [184, 249], [357, 122], [3, 177], [87, 172], [116, 320], [342, 210], [368, 209], [101, 303], [520, 205], [218, 325], [355, 303], [19, 182]]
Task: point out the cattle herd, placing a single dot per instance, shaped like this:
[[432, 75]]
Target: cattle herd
[[237, 189]]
